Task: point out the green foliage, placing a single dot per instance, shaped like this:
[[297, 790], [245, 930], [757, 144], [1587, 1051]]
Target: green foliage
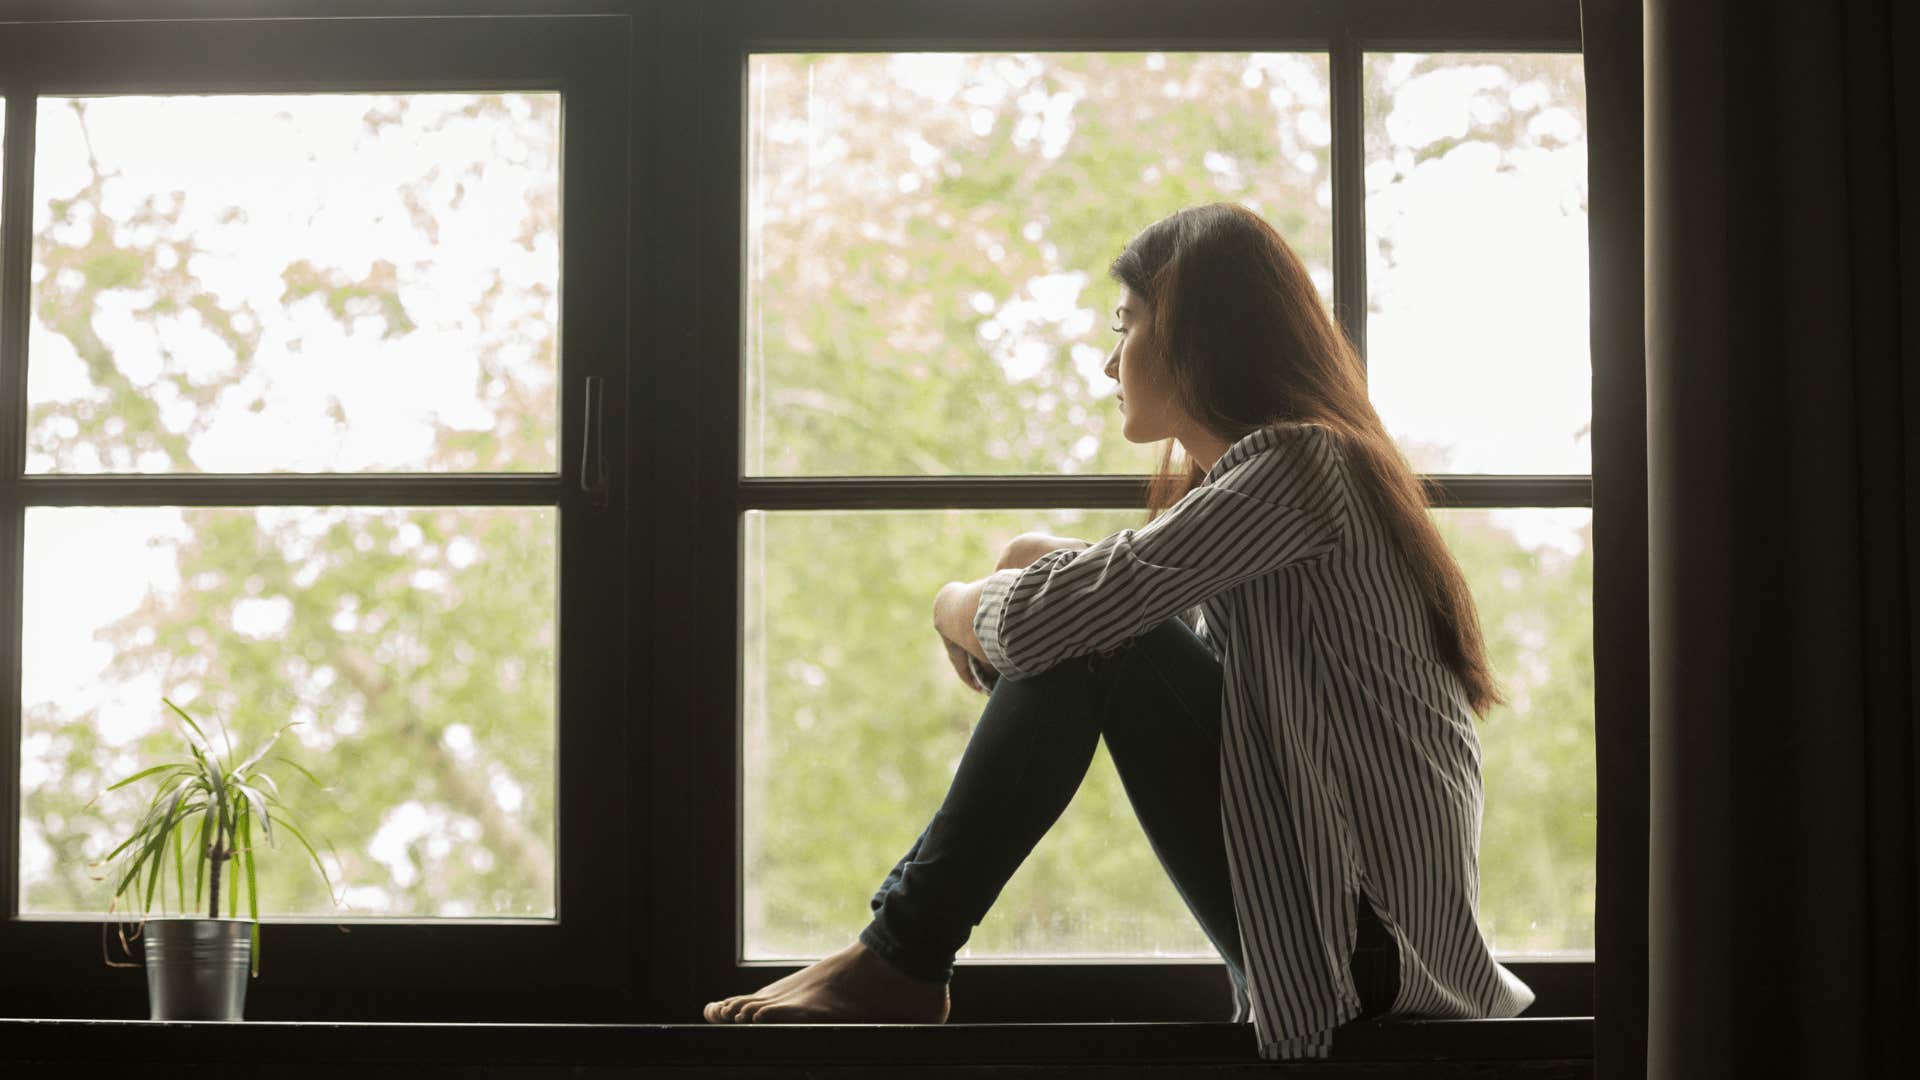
[[866, 354], [1537, 883], [854, 727]]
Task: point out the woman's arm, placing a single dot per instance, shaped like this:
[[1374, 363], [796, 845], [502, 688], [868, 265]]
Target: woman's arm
[[955, 606], [1279, 507]]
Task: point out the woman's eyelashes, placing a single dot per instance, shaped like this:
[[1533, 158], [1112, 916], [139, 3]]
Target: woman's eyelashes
[[1119, 329]]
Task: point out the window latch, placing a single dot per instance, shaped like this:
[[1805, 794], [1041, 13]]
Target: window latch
[[593, 453]]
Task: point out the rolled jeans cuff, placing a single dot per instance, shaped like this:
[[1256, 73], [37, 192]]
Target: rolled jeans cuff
[[879, 941]]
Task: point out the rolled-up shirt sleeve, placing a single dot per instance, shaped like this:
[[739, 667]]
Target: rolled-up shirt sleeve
[[1071, 602]]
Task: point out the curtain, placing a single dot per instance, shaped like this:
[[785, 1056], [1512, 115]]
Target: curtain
[[1783, 453]]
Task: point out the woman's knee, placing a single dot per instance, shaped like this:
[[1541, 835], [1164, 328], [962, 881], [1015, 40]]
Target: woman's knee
[[1167, 636], [1168, 664], [1049, 680], [1022, 550], [1170, 639]]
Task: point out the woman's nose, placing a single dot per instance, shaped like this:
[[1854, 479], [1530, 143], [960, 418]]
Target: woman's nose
[[1113, 365]]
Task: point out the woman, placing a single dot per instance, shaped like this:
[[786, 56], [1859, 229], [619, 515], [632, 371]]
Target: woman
[[1300, 751]]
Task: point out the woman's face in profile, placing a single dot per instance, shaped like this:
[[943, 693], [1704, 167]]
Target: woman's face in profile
[[1145, 399]]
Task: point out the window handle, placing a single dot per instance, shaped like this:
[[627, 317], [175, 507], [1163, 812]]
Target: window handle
[[593, 453]]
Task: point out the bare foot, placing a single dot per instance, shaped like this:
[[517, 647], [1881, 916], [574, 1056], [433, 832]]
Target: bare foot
[[852, 986]]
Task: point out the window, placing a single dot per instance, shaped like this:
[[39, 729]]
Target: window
[[926, 237], [1477, 360], [299, 336], [315, 333], [920, 343]]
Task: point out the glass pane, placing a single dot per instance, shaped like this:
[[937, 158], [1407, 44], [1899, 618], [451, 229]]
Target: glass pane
[[929, 235], [415, 645], [1476, 183], [1531, 572], [309, 283], [853, 728], [851, 739]]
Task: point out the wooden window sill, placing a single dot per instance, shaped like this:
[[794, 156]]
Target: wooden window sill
[[1553, 1046]]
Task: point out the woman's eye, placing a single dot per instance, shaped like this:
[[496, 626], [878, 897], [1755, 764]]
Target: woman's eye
[[1119, 329]]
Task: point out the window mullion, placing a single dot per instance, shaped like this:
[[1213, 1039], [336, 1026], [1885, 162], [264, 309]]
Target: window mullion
[[1458, 491], [309, 489], [16, 248], [16, 225], [1346, 69]]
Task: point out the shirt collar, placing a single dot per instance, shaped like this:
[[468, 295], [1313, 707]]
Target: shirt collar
[[1260, 438]]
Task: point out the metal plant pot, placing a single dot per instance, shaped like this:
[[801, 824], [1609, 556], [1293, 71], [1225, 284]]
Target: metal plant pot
[[197, 968]]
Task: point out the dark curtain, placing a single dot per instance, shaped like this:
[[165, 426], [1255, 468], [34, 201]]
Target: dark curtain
[[1783, 443]]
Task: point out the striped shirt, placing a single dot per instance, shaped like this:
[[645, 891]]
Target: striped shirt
[[1349, 764]]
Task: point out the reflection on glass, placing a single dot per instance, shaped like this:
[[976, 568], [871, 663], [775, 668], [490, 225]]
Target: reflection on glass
[[854, 722], [928, 241], [1531, 572], [1476, 179], [312, 283], [416, 646]]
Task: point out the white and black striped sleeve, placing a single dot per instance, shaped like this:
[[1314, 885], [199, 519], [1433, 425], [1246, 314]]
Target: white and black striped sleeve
[[1069, 603]]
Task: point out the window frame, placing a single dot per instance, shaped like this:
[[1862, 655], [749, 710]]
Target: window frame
[[399, 968], [651, 817], [1008, 990]]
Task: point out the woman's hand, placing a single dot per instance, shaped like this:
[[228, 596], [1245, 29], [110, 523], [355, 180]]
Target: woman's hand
[[954, 607], [964, 665], [953, 611]]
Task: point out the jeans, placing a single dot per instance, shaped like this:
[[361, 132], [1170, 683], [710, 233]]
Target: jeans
[[1156, 700]]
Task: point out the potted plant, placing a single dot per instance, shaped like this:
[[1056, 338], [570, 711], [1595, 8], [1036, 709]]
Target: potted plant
[[207, 809]]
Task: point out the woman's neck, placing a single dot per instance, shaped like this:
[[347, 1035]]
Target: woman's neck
[[1203, 448]]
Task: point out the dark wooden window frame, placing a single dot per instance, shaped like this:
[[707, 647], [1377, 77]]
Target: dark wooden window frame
[[650, 796], [380, 967], [1158, 990]]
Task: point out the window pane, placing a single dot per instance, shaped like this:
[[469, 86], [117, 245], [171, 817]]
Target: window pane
[[929, 235], [415, 645], [852, 732], [1531, 572], [313, 283], [1476, 181], [853, 728]]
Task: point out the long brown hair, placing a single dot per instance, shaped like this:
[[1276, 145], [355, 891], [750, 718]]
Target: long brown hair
[[1243, 333]]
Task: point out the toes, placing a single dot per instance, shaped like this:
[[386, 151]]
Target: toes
[[777, 1014]]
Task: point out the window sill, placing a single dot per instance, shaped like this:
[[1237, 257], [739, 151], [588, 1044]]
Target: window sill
[[1556, 1047]]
